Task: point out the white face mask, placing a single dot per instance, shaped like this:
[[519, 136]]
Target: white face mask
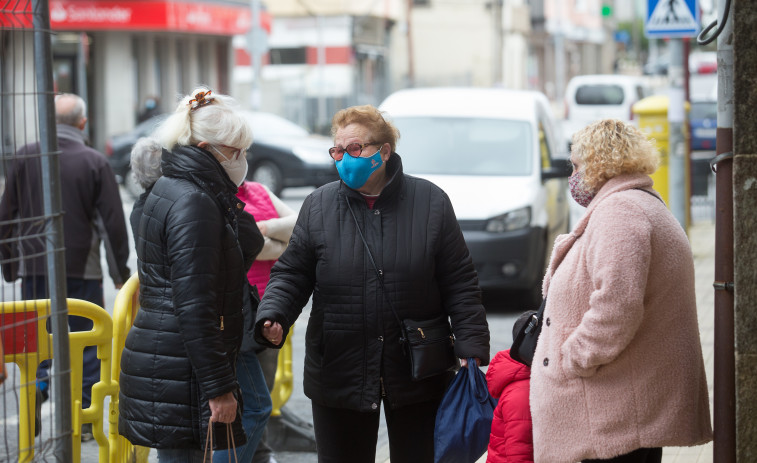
[[236, 169]]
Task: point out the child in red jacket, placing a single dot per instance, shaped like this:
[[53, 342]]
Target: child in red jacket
[[511, 439]]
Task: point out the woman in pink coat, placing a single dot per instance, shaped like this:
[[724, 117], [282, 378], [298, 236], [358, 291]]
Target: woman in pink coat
[[618, 371]]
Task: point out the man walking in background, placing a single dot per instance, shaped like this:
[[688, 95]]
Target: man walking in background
[[92, 211]]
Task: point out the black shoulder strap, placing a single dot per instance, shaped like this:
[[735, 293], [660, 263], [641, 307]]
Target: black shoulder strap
[[652, 194]]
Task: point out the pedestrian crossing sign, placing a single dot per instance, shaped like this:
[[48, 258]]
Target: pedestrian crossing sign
[[672, 18]]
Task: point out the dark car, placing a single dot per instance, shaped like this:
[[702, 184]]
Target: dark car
[[118, 150], [283, 154], [703, 122]]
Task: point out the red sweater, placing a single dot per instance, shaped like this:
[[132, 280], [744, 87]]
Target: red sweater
[[511, 439]]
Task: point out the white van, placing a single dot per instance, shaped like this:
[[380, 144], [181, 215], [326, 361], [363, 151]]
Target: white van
[[601, 96], [494, 152]]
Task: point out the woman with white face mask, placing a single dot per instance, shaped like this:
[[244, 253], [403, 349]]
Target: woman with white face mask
[[195, 244]]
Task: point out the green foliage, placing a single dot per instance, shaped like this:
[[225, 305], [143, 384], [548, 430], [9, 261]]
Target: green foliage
[[635, 29]]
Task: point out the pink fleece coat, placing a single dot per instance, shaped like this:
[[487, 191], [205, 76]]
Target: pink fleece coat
[[618, 365]]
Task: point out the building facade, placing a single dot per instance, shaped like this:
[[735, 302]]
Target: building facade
[[118, 53]]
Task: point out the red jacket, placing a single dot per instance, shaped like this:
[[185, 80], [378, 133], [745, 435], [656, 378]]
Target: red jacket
[[511, 439]]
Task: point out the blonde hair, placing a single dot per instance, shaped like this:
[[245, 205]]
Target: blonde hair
[[216, 121], [369, 117], [610, 147]]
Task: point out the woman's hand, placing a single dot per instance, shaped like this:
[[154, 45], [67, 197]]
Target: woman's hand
[[263, 228], [273, 332], [464, 362], [223, 409]]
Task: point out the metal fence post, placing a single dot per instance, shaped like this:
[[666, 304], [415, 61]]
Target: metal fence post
[[56, 265]]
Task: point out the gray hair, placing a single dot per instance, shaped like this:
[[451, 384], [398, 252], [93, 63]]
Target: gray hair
[[70, 109], [145, 161], [216, 121]]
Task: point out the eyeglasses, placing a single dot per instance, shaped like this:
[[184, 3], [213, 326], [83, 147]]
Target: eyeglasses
[[237, 152], [353, 149]]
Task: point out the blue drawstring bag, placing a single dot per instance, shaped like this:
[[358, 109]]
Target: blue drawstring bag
[[464, 418]]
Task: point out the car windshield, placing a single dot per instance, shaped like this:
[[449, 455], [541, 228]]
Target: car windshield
[[599, 94], [704, 110], [270, 125], [464, 146]]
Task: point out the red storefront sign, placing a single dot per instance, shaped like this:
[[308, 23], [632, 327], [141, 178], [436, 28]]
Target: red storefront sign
[[139, 15]]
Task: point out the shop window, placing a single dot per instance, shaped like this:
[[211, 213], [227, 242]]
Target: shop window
[[288, 55]]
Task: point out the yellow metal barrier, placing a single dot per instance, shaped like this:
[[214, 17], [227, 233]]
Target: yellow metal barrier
[[30, 344], [35, 346], [284, 383], [124, 311]]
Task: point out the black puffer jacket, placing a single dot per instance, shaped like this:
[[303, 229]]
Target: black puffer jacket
[[192, 274], [352, 340]]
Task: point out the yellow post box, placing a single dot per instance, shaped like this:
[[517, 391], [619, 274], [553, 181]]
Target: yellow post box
[[652, 113]]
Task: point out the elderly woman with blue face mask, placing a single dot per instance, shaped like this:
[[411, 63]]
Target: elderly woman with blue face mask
[[376, 247]]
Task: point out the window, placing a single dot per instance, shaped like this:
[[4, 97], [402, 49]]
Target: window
[[288, 55], [599, 94], [465, 146]]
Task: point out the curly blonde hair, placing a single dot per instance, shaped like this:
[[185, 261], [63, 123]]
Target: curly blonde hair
[[610, 147], [369, 117]]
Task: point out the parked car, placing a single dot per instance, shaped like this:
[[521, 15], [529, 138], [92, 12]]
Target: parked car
[[703, 123], [283, 154], [118, 151], [599, 96], [495, 153]]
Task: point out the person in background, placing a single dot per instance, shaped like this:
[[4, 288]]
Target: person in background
[[145, 164], [511, 438], [354, 360], [178, 365], [276, 222], [618, 370], [93, 214], [151, 108]]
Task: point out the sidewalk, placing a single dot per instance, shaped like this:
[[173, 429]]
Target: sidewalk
[[702, 237]]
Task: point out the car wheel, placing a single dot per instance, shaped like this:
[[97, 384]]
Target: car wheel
[[131, 185], [269, 174]]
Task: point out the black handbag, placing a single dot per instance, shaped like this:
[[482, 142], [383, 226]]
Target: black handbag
[[429, 344], [524, 341]]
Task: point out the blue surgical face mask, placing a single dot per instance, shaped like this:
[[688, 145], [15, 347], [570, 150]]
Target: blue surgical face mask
[[356, 171]]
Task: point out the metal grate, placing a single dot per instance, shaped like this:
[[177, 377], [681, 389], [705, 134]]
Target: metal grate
[[31, 237]]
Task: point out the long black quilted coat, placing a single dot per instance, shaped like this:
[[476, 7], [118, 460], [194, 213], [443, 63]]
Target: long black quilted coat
[[352, 339], [192, 274]]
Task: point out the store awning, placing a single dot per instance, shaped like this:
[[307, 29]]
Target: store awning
[[140, 15]]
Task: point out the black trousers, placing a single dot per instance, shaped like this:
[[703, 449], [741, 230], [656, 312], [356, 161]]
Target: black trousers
[[348, 436], [653, 455]]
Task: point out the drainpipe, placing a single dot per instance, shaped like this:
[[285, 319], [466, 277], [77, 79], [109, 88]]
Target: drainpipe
[[724, 447]]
